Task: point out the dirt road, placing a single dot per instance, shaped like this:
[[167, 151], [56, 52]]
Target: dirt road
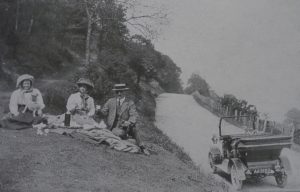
[[191, 127]]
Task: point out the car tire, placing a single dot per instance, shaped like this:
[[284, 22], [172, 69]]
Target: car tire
[[236, 182], [281, 179]]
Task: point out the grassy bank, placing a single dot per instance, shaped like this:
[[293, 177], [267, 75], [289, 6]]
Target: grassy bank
[[59, 163]]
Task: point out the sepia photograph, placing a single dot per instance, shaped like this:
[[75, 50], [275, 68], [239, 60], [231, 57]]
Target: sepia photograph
[[149, 96]]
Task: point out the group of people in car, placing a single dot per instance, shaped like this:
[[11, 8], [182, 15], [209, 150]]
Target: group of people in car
[[26, 108]]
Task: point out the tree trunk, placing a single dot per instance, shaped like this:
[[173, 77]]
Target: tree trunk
[[88, 34], [88, 39], [138, 79], [1, 70], [30, 26], [17, 15]]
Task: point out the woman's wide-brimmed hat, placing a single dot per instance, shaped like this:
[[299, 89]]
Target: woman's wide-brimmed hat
[[23, 78], [120, 87], [84, 81]]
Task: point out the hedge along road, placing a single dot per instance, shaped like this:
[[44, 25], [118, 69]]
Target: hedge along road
[[191, 126]]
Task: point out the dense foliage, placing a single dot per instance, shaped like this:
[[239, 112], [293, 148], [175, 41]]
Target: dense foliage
[[228, 102], [197, 83], [293, 115], [46, 37]]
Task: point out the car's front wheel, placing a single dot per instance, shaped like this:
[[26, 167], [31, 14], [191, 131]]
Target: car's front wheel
[[281, 179], [237, 183]]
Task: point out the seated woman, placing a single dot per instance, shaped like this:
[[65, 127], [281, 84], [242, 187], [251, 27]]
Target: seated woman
[[80, 105], [25, 105]]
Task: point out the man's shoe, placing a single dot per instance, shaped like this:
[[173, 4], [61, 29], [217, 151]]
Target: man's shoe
[[144, 150]]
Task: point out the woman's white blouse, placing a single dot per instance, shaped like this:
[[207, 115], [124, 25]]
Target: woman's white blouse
[[75, 101], [22, 97]]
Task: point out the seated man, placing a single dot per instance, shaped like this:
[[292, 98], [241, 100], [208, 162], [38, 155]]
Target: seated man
[[122, 115]]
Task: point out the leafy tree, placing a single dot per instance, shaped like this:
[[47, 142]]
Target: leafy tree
[[168, 75], [197, 83], [142, 57], [293, 115], [228, 102], [44, 37], [33, 35], [145, 19]]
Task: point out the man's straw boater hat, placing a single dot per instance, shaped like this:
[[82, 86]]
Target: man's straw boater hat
[[120, 87]]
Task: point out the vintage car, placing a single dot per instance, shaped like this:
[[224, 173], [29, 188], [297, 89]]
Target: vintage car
[[250, 155]]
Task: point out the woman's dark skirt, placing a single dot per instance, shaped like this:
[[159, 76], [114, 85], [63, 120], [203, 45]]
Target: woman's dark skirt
[[22, 121]]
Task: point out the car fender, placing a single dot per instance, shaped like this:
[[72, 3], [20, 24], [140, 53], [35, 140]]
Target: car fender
[[241, 168], [285, 162]]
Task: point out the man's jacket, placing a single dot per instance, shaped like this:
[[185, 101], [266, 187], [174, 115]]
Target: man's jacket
[[127, 112]]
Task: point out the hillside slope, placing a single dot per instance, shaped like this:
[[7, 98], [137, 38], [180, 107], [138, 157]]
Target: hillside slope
[[58, 163], [34, 163]]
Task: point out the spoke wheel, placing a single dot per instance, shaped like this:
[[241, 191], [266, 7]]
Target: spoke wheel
[[281, 179], [211, 163], [236, 182]]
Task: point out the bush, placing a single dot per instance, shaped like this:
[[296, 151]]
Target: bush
[[146, 104], [55, 95], [297, 136]]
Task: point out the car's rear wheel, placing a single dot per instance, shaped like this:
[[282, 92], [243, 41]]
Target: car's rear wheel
[[281, 179], [237, 183], [211, 163]]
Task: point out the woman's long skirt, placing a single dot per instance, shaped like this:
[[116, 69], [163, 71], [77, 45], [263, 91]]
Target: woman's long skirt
[[22, 121]]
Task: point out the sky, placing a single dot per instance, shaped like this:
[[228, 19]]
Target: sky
[[249, 48]]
